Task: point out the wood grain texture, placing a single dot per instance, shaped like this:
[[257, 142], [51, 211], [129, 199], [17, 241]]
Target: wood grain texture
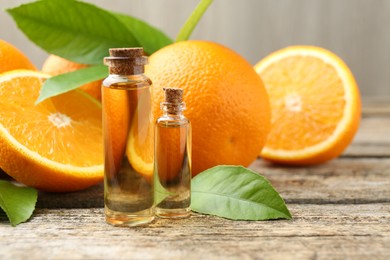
[[346, 180], [339, 181], [317, 231], [341, 210]]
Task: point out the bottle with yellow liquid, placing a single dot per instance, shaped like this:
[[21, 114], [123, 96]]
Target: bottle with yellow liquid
[[173, 158], [128, 139]]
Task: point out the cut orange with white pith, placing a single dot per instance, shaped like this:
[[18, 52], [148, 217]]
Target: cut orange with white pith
[[315, 105], [55, 145]]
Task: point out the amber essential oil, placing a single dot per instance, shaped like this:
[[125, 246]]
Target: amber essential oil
[[128, 139], [172, 171]]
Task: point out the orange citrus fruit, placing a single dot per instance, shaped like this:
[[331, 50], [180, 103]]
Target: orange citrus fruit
[[140, 144], [11, 58], [55, 65], [226, 101], [55, 145], [315, 105]]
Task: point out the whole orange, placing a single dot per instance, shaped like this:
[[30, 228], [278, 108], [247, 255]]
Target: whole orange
[[55, 65], [226, 101], [12, 58]]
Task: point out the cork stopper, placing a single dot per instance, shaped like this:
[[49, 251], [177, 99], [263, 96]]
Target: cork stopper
[[173, 95], [126, 61], [126, 52], [173, 103]]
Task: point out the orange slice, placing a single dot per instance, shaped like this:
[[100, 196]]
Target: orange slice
[[140, 150], [140, 145], [55, 145], [315, 105]]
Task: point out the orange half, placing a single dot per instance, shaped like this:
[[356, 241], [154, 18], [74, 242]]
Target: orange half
[[315, 105], [140, 144], [55, 145]]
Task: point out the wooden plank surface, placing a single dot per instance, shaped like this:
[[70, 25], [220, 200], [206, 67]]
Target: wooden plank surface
[[316, 231], [341, 210], [373, 138], [346, 180]]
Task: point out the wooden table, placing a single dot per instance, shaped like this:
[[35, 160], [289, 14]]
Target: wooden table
[[341, 210]]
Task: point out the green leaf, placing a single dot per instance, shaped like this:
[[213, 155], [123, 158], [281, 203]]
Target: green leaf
[[160, 193], [71, 80], [192, 21], [74, 30], [235, 192], [149, 37], [17, 202]]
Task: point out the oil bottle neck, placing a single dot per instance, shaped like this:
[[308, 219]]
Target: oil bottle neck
[[173, 109], [126, 71]]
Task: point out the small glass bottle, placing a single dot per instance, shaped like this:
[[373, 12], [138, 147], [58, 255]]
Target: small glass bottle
[[172, 173], [128, 132]]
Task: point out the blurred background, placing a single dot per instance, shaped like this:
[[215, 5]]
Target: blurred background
[[356, 30]]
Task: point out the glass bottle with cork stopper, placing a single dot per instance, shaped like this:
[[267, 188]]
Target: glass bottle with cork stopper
[[172, 171], [128, 133]]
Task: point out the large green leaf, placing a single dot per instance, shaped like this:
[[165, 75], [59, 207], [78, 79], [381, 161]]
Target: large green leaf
[[83, 33], [235, 192], [65, 82], [149, 37], [17, 202], [77, 31]]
